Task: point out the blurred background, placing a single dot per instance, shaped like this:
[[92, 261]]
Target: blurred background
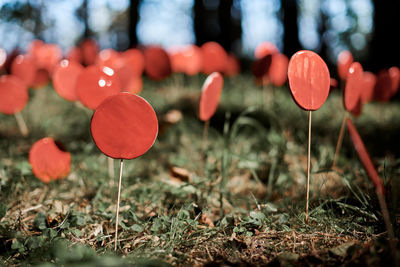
[[368, 28]]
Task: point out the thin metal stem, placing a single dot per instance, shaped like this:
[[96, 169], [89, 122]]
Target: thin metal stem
[[21, 124], [308, 164], [121, 166]]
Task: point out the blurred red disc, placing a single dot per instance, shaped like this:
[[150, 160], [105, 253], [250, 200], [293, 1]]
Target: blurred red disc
[[41, 79], [157, 64], [334, 83], [90, 49], [260, 69], [177, 60], [64, 79], [3, 57], [134, 85], [75, 54], [354, 86], [214, 58], [109, 58], [210, 94], [309, 79], [369, 81], [345, 59], [45, 56], [278, 69], [130, 70], [394, 73], [134, 61], [94, 84], [232, 66], [24, 68], [13, 94], [383, 86], [265, 48], [364, 156], [48, 160], [124, 126]]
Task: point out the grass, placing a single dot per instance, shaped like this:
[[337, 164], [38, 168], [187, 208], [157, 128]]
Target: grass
[[247, 208]]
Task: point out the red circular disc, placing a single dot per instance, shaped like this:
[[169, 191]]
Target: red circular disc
[[309, 79], [41, 79], [94, 84], [394, 73], [354, 86], [13, 94], [369, 81], [130, 69], [278, 69], [265, 48], [214, 58], [24, 68], [383, 86], [49, 160], [260, 69], [232, 68], [90, 49], [74, 54], [210, 94], [64, 79], [345, 59], [157, 64], [124, 126], [134, 85]]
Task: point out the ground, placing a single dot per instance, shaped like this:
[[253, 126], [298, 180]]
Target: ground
[[245, 207]]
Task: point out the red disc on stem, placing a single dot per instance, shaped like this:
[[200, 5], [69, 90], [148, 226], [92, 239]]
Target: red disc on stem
[[124, 126], [13, 94], [278, 69], [210, 94], [369, 81], [157, 64], [309, 79], [24, 68], [394, 73], [64, 79], [354, 86], [214, 57]]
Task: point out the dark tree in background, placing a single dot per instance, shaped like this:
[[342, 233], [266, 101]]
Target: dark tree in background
[[385, 44], [82, 14], [133, 21], [291, 43]]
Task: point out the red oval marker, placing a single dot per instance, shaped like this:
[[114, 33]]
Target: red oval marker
[[48, 160], [134, 85], [334, 83], [354, 86], [74, 54], [210, 94], [124, 126], [95, 84], [364, 156], [394, 73], [278, 69], [130, 70], [41, 79], [13, 94], [157, 64], [260, 69], [265, 48], [383, 86], [24, 68], [232, 66], [369, 81], [64, 79], [345, 59], [309, 79], [90, 49], [214, 57], [3, 57]]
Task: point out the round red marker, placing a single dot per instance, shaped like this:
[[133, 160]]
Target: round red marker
[[74, 54], [130, 70], [265, 48], [49, 160], [94, 84], [354, 86], [260, 69], [24, 68], [394, 73], [64, 79], [383, 86], [309, 79], [278, 69], [369, 81], [345, 59], [214, 58], [232, 66], [157, 64], [13, 94], [210, 94], [124, 126], [90, 49]]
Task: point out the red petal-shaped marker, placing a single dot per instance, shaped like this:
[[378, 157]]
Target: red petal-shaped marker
[[214, 57], [265, 48], [48, 160], [24, 68], [232, 66], [383, 86], [353, 88], [364, 157], [345, 59], [90, 49], [369, 81], [3, 57], [95, 84], [157, 64], [124, 126], [64, 79], [394, 73], [210, 94], [278, 69], [13, 94], [309, 79]]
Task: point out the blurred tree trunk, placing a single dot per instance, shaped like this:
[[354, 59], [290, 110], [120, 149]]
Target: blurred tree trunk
[[230, 23], [384, 50], [133, 21], [291, 43], [200, 16], [82, 14]]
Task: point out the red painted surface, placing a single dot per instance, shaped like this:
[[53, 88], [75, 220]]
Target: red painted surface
[[214, 56], [345, 59], [278, 69], [369, 81], [13, 94], [75, 54], [364, 156], [210, 94], [134, 86], [45, 56], [130, 70], [48, 161], [334, 83], [24, 68], [265, 48], [95, 84], [41, 79], [309, 79], [90, 49], [394, 73], [65, 76], [260, 69], [383, 86], [124, 126], [354, 86], [232, 68], [157, 63]]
